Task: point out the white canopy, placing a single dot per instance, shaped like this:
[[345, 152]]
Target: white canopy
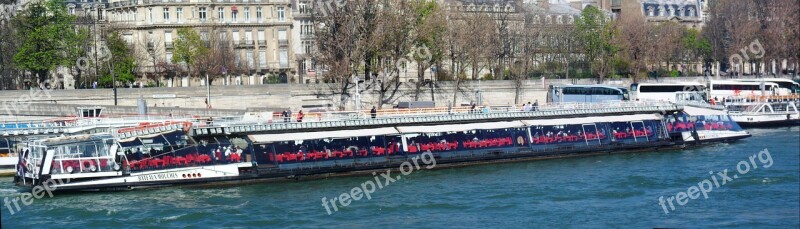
[[694, 111], [267, 138], [459, 127], [583, 120]]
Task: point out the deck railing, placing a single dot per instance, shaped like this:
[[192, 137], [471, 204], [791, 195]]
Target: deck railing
[[428, 115]]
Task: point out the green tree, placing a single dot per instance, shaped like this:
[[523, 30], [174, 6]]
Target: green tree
[[597, 33], [122, 62], [189, 47], [49, 38], [698, 48], [430, 28]]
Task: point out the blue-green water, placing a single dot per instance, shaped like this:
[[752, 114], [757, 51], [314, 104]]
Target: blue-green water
[[601, 191]]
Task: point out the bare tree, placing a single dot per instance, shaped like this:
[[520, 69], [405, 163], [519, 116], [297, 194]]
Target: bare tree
[[340, 38], [780, 20], [732, 25], [391, 45], [219, 60], [636, 43]]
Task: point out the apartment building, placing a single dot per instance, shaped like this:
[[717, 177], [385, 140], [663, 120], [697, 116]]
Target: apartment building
[[260, 32]]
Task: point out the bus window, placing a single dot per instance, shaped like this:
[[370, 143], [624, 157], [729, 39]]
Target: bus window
[[634, 87]]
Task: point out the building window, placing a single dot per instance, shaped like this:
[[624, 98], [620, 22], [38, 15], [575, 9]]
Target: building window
[[179, 14], [262, 59], [150, 12], [250, 60], [258, 14], [234, 15], [221, 14], [303, 7], [72, 10], [202, 14], [247, 14], [308, 47], [281, 14], [305, 28], [166, 14], [169, 56]]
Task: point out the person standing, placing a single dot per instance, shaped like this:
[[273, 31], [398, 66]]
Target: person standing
[[300, 116], [285, 115], [373, 112], [535, 105]]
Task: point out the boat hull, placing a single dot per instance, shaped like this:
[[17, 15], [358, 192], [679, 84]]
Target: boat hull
[[247, 172]]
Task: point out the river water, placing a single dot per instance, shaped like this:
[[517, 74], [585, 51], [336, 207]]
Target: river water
[[620, 190]]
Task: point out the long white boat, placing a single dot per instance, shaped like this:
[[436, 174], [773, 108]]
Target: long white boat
[[242, 152]]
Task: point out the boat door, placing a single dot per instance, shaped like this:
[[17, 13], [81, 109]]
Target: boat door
[[591, 134], [639, 131]]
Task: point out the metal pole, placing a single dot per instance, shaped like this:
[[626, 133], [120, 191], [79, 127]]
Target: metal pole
[[94, 40], [113, 81], [208, 91], [358, 95]]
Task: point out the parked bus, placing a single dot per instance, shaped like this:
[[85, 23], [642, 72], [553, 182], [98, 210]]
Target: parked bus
[[787, 86], [585, 94], [724, 88], [664, 91]]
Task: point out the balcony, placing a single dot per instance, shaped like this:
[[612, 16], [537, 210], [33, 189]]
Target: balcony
[[151, 46], [168, 45], [262, 42], [244, 43], [283, 42], [306, 36]]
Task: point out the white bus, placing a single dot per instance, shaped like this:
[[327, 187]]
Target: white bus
[[723, 88], [787, 86], [664, 91], [585, 94]]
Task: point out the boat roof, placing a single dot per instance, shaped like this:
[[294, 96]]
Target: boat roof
[[422, 129], [71, 139]]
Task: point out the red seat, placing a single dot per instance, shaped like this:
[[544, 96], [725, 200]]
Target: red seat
[[412, 149], [620, 135], [190, 158], [378, 150]]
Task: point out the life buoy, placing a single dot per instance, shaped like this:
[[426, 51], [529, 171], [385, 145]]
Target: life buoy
[[91, 165]]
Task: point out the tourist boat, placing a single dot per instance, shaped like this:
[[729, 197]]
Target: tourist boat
[[183, 154], [87, 120], [764, 111]]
